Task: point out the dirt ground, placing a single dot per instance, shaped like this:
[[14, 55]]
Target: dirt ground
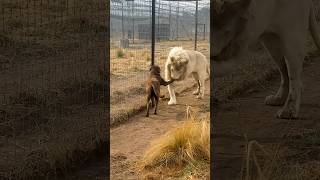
[[128, 141], [128, 74], [51, 87], [248, 115]]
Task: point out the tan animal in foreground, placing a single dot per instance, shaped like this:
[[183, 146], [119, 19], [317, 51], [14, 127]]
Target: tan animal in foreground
[[154, 80], [282, 26]]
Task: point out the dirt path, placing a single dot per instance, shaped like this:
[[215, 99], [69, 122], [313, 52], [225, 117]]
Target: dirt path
[[129, 141], [248, 115]]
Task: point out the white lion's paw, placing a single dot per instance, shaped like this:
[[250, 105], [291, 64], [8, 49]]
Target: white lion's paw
[[274, 100], [287, 113], [172, 102]]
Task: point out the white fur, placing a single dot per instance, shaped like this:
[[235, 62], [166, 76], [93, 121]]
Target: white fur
[[196, 65], [282, 25]]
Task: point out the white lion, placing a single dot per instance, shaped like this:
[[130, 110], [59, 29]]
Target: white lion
[[282, 26], [183, 63]]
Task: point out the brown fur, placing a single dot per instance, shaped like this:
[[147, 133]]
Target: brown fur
[[153, 82]]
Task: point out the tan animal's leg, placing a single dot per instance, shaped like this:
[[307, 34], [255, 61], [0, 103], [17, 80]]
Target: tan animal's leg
[[294, 60], [196, 78], [273, 45]]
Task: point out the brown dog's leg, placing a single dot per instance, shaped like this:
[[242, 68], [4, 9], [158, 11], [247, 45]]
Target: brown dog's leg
[[152, 101], [148, 103], [157, 100], [165, 83]]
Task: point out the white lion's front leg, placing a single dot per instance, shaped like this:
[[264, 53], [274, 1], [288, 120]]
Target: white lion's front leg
[[173, 99], [275, 49], [196, 78], [292, 105], [202, 89], [167, 71], [197, 91]]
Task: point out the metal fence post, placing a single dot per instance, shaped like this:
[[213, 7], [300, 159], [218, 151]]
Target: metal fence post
[[178, 22], [158, 28], [153, 31], [122, 25], [170, 19], [204, 31], [133, 22], [196, 27]]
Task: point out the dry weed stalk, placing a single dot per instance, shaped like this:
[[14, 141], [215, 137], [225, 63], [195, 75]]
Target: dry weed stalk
[[251, 151]]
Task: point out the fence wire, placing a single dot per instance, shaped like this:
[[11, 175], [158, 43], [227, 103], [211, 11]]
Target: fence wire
[[130, 45], [51, 65]]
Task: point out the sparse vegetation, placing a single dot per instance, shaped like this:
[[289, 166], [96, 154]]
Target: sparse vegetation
[[148, 58], [183, 151], [278, 163], [120, 53]]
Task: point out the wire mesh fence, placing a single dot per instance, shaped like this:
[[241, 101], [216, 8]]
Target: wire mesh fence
[[51, 90], [130, 44]]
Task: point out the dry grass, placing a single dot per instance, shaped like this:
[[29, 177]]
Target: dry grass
[[120, 53], [284, 161], [277, 166], [65, 141], [182, 151], [130, 61], [54, 121]]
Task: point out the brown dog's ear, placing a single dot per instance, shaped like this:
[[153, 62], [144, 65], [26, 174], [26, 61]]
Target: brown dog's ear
[[157, 69]]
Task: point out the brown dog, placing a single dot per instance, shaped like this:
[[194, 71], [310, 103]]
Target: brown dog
[[154, 80]]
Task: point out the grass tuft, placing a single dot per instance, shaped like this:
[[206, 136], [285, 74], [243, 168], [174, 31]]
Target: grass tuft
[[120, 53], [182, 148], [280, 162]]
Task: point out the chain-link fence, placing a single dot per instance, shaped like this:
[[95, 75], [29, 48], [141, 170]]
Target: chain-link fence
[[130, 39], [51, 90], [174, 20]]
